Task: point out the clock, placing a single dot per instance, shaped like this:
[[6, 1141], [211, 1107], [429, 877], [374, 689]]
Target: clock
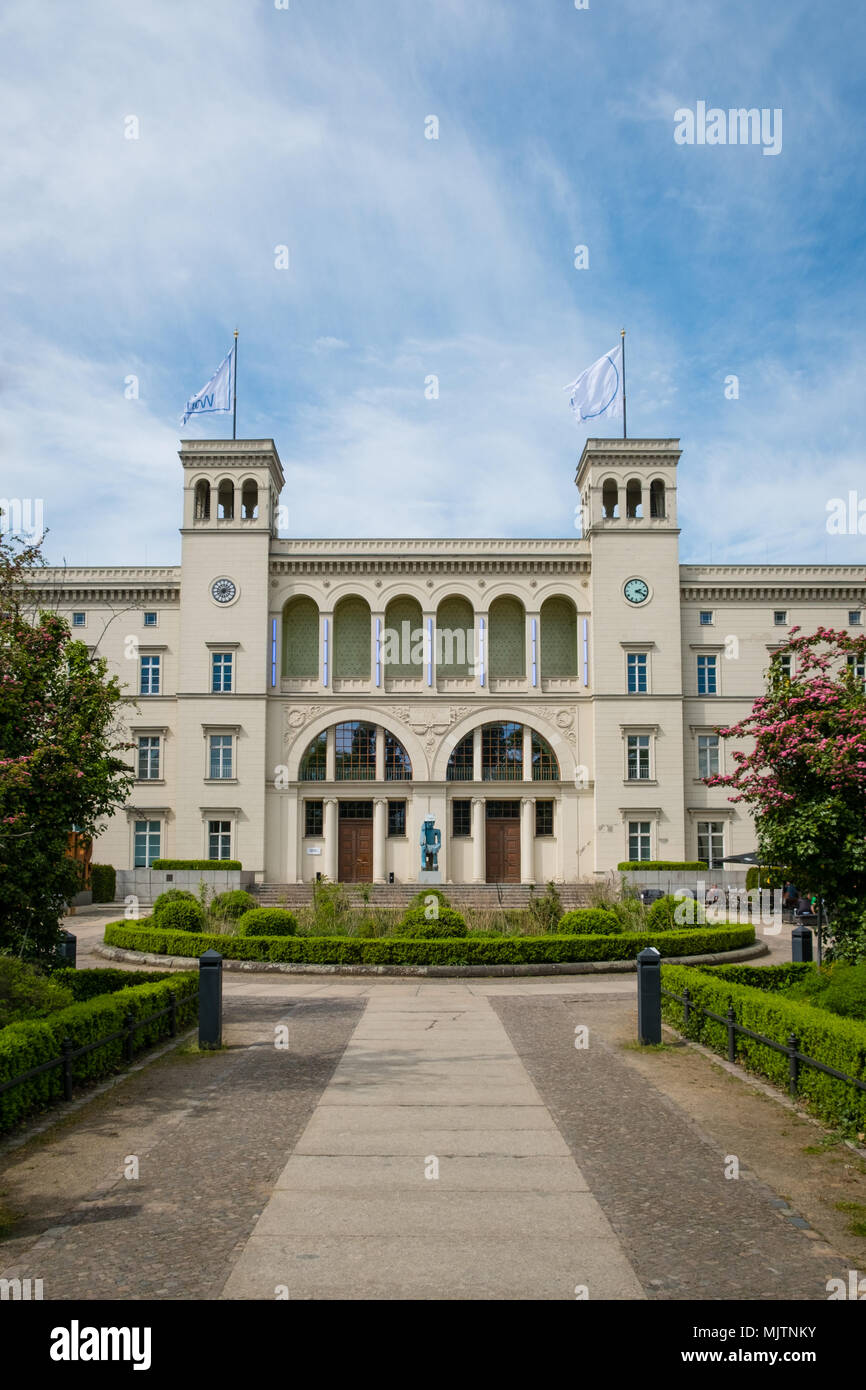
[[636, 590], [223, 590]]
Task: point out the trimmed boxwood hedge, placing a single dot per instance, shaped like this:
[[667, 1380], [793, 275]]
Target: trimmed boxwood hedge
[[233, 904], [767, 977], [652, 864], [838, 1042], [88, 984], [103, 883], [28, 1044], [266, 921], [181, 915], [584, 920], [196, 864], [394, 950], [447, 923]]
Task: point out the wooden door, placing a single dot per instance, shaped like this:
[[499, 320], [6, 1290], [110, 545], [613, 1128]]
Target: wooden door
[[503, 851], [355, 863]]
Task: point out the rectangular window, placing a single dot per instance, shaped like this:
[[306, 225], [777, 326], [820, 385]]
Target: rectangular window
[[461, 818], [857, 664], [855, 618], [780, 617], [706, 617], [639, 839], [637, 673], [707, 675], [150, 675], [708, 755], [638, 757], [221, 672], [219, 839], [220, 757], [396, 818], [148, 759], [544, 817], [711, 845], [146, 843], [314, 817], [150, 620], [78, 619], [786, 664]]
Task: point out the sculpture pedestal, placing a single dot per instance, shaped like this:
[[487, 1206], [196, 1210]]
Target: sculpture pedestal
[[429, 875]]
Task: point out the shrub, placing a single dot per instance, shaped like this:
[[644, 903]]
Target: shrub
[[180, 915], [267, 921], [232, 904], [630, 912], [171, 895], [88, 984], [497, 950], [840, 988], [646, 865], [331, 906], [448, 925], [773, 978], [103, 883], [671, 913], [837, 1042], [35, 1041], [585, 920], [422, 899], [368, 930], [545, 912], [25, 992], [218, 864]]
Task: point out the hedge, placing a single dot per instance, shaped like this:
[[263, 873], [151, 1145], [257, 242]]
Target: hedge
[[266, 921], [233, 904], [196, 864], [447, 923], [838, 1042], [28, 1044], [771, 978], [356, 950], [584, 920], [181, 915], [651, 864], [103, 883], [88, 984]]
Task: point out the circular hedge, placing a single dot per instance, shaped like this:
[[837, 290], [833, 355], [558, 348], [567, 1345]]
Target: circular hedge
[[171, 895], [420, 927], [267, 921], [180, 915], [670, 913], [587, 920], [233, 904]]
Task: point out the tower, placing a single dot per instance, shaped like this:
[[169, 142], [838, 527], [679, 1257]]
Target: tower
[[628, 504], [231, 493]]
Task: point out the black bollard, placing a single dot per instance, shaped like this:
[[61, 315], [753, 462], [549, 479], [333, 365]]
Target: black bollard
[[210, 1000], [649, 996], [801, 944]]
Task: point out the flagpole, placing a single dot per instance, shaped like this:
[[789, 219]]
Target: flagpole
[[622, 335], [235, 392]]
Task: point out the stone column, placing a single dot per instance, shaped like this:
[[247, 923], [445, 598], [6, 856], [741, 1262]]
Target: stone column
[[527, 840], [331, 827], [331, 755], [479, 872], [380, 753], [476, 753], [380, 828], [527, 753]]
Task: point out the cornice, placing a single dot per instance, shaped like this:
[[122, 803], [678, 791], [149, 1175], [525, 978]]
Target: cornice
[[773, 582], [473, 555], [109, 583]]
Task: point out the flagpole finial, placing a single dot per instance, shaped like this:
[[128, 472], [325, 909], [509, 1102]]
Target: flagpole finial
[[621, 333], [236, 332]]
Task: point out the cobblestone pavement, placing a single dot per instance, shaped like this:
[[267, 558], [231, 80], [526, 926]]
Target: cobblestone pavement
[[688, 1231], [211, 1132]]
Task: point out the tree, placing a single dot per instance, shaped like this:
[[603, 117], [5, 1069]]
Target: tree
[[62, 761], [805, 776]]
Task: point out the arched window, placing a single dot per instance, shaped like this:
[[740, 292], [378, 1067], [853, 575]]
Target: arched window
[[545, 768], [502, 753], [314, 761], [202, 500], [249, 500], [398, 768], [610, 498], [657, 497], [633, 498], [403, 638], [355, 747], [352, 639], [301, 638], [507, 639], [226, 500], [461, 764], [558, 638], [455, 637]]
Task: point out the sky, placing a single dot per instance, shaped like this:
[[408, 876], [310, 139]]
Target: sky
[[302, 124]]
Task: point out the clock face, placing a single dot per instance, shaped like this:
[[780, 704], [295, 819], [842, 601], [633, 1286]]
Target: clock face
[[223, 590], [636, 591]]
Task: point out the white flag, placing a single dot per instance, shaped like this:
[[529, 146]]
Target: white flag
[[217, 395], [597, 392]]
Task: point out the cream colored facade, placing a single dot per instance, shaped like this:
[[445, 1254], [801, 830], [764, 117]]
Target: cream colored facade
[[555, 641]]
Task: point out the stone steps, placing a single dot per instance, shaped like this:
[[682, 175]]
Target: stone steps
[[461, 895]]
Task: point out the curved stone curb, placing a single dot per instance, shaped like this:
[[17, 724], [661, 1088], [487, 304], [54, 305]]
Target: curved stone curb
[[581, 967]]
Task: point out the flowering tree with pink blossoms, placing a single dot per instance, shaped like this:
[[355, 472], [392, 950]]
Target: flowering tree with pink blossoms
[[804, 777], [61, 756]]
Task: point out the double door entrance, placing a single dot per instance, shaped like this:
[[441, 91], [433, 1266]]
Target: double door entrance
[[355, 847], [502, 826]]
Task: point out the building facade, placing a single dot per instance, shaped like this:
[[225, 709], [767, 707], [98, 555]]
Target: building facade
[[303, 705]]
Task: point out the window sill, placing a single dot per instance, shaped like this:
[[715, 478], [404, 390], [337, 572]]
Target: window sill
[[150, 781], [223, 782], [640, 781]]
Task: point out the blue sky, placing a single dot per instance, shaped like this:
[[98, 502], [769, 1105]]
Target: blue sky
[[305, 127]]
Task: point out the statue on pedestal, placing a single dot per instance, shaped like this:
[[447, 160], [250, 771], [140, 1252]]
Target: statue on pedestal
[[431, 840]]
